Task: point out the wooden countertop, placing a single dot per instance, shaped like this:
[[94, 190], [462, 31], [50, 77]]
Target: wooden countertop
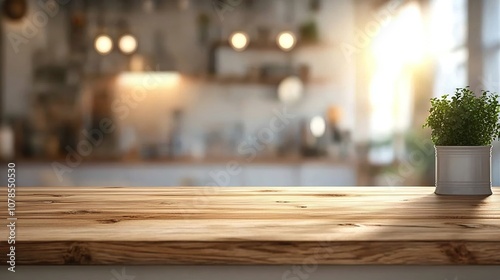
[[252, 225]]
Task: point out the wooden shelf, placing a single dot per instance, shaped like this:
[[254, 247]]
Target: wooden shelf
[[237, 80], [271, 46]]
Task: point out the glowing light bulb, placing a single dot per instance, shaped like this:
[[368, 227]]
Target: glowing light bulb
[[317, 126], [127, 44], [103, 44], [239, 41], [290, 89], [286, 40]]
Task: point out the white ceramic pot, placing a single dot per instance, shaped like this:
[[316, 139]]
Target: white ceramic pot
[[463, 170]]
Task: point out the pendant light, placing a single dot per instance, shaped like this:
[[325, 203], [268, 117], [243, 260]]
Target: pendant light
[[239, 41], [286, 40], [103, 43], [127, 43]]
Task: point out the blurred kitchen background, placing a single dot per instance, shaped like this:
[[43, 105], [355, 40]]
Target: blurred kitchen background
[[235, 92]]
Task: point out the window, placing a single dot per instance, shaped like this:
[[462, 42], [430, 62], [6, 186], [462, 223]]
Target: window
[[448, 44], [396, 51], [491, 45]]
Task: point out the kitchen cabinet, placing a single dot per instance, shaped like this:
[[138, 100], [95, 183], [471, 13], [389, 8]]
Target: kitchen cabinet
[[271, 175], [324, 175], [169, 175], [187, 174]]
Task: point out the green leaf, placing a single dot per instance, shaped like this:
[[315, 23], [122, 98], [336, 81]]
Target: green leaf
[[465, 119]]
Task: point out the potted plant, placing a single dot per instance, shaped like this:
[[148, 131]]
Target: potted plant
[[462, 130]]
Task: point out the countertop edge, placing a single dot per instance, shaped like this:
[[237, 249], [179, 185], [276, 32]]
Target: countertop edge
[[258, 253]]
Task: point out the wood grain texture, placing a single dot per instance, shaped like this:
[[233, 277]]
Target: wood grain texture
[[252, 225]]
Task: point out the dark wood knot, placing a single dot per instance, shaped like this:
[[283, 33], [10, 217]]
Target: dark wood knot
[[78, 253], [458, 253], [109, 221]]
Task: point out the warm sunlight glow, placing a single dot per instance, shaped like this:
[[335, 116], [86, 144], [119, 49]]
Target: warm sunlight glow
[[318, 126], [103, 44], [382, 104], [449, 29], [286, 40], [149, 80], [413, 35], [403, 40], [398, 48], [127, 44], [239, 41]]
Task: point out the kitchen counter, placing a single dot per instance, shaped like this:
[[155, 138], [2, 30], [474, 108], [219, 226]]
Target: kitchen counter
[[252, 225], [194, 161], [160, 173]]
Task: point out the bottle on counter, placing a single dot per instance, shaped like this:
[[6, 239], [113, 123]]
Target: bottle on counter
[[6, 142], [175, 144]]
